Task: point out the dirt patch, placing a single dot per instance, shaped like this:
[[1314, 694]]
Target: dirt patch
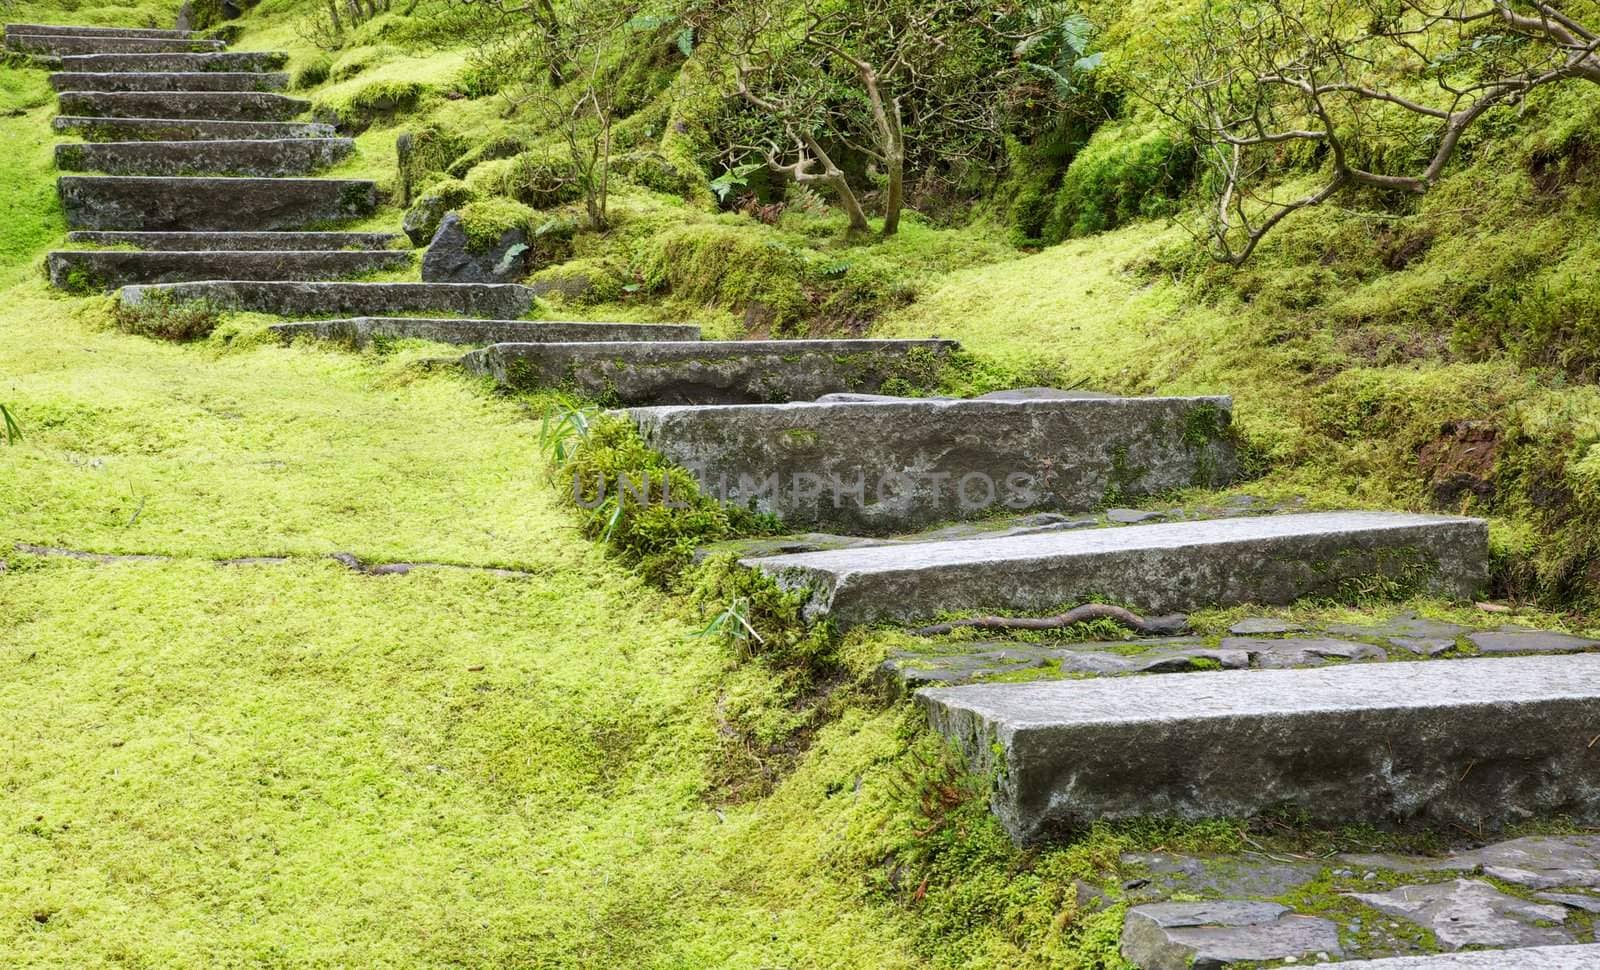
[[1459, 463], [1555, 169]]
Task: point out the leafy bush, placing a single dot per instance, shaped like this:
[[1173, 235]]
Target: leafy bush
[[158, 315], [1125, 172]]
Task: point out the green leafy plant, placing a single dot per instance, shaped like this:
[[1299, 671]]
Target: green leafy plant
[[13, 430], [563, 427], [733, 624]]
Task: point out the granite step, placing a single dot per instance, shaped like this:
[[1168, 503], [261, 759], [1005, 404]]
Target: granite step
[[1165, 568], [107, 269], [884, 466], [192, 203], [223, 61], [1477, 744], [259, 241], [713, 372], [360, 331], [73, 30], [307, 299], [61, 45], [186, 129], [197, 105], [169, 81], [258, 157]]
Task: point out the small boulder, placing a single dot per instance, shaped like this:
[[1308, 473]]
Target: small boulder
[[451, 257]]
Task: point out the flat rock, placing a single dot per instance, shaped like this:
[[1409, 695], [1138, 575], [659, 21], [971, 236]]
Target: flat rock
[[258, 241], [1406, 624], [308, 299], [894, 466], [190, 203], [175, 62], [1477, 743], [203, 105], [1212, 935], [709, 372], [1255, 626], [261, 157], [85, 271], [1220, 876], [75, 30], [1423, 646], [1530, 641], [1133, 516], [180, 129], [1469, 912], [65, 44], [1531, 958], [360, 331], [169, 81], [1537, 861], [1166, 568], [1579, 901], [1302, 651]]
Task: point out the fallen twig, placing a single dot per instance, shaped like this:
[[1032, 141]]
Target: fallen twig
[[1155, 626]]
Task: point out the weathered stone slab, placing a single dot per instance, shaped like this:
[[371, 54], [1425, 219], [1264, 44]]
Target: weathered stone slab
[[296, 299], [1164, 568], [196, 203], [64, 44], [261, 158], [1253, 876], [74, 30], [360, 331], [1470, 912], [1578, 901], [1302, 651], [237, 61], [1475, 743], [1254, 626], [712, 372], [1585, 957], [901, 465], [88, 270], [203, 105], [179, 129], [1529, 641], [451, 258], [169, 81], [1212, 935], [259, 241]]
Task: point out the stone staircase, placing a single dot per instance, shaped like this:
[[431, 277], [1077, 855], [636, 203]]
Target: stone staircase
[[198, 174]]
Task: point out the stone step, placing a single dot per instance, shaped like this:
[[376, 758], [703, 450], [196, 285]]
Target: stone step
[[107, 269], [1171, 567], [186, 203], [296, 299], [259, 241], [202, 105], [174, 62], [260, 157], [1585, 956], [360, 331], [186, 129], [72, 30], [882, 467], [68, 44], [170, 81], [719, 372], [1477, 744]]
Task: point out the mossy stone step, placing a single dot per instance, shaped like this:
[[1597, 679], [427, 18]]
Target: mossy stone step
[[1475, 744], [74, 30], [186, 129], [202, 105], [260, 157], [881, 467], [261, 241], [1165, 568], [713, 372], [174, 62], [305, 299], [65, 44], [192, 203], [170, 81], [107, 269], [360, 331]]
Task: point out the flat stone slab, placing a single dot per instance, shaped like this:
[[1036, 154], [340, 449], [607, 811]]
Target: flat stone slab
[[710, 372], [64, 44], [1213, 935], [180, 129], [204, 105], [194, 203], [1470, 912], [881, 467], [259, 157], [175, 62], [360, 331], [89, 270], [1529, 641], [1585, 957], [261, 241], [1165, 568], [1534, 862], [297, 299], [1477, 743], [74, 30], [169, 81]]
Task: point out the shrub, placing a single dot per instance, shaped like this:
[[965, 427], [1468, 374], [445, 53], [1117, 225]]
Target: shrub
[[1125, 172], [158, 315]]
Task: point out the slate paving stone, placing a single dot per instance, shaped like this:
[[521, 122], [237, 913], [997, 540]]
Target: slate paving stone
[[1236, 877], [1535, 862], [1517, 641], [1255, 626], [1587, 903], [1424, 646], [1406, 624], [1470, 912], [1212, 935], [1302, 651]]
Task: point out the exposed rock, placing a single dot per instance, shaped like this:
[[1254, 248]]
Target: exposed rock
[[1133, 516], [207, 105], [1211, 935], [1255, 626], [1302, 651], [1583, 901], [1469, 912], [361, 331], [186, 203], [452, 259], [1406, 624], [182, 129], [1530, 958], [259, 157], [1228, 876], [1536, 862], [1424, 646], [1518, 641]]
